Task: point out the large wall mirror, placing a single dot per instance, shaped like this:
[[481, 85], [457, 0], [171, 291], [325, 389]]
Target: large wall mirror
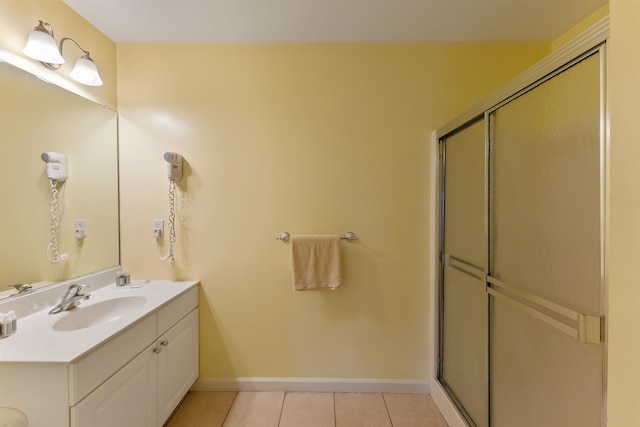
[[37, 117]]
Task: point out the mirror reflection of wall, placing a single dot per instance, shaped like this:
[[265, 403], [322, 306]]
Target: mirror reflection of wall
[[35, 117]]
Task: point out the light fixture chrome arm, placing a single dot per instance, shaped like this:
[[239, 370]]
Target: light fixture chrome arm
[[45, 27], [60, 47], [75, 42]]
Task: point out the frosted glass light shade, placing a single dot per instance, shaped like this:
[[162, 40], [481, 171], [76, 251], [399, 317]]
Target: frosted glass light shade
[[43, 47], [86, 72]]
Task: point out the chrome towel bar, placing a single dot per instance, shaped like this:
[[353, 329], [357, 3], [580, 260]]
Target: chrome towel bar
[[349, 237]]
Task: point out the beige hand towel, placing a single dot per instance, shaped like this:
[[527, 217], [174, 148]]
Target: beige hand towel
[[315, 262]]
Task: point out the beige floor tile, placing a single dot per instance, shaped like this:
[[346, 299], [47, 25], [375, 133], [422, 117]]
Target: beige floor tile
[[413, 410], [256, 409], [308, 410], [361, 410], [202, 408]]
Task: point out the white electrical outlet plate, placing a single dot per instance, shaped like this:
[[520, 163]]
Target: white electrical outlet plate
[[81, 229], [158, 228]]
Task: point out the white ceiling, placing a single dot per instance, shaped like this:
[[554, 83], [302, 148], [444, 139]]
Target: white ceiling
[[333, 20]]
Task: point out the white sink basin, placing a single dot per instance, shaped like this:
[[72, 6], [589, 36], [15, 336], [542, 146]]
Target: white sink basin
[[99, 313]]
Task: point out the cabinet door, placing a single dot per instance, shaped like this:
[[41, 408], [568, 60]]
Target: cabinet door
[[177, 364], [127, 399]]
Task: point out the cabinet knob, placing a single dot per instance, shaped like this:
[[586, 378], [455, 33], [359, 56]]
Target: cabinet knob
[[157, 350], [164, 342]]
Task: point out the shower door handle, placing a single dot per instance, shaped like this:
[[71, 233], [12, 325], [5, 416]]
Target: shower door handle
[[586, 328]]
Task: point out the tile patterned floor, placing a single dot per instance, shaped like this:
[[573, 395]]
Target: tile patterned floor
[[280, 409]]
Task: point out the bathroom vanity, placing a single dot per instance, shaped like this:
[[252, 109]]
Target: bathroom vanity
[[125, 357]]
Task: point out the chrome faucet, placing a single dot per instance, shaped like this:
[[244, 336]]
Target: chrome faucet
[[71, 299], [22, 288]]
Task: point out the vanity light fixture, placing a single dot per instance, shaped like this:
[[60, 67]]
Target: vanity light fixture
[[42, 46]]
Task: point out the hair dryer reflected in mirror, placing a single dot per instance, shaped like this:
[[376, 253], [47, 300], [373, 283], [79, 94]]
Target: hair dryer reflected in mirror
[[57, 174], [174, 165]]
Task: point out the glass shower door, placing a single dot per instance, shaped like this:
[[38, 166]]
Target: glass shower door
[[545, 262], [463, 298]]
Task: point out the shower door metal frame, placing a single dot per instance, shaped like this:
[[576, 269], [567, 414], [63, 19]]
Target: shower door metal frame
[[586, 328], [461, 265]]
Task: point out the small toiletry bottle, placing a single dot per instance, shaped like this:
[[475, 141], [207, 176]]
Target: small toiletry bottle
[[14, 321], [120, 278], [5, 325]]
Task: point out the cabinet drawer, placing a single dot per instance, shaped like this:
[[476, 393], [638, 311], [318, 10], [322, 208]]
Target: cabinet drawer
[[93, 369], [171, 313]]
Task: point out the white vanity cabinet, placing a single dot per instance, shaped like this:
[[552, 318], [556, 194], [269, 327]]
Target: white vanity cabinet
[[148, 387], [130, 367]]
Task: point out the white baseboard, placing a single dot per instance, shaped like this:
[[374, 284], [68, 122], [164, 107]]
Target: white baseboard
[[336, 385]]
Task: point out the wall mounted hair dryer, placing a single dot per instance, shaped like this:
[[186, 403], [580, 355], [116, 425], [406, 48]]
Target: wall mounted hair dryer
[[56, 165], [174, 173], [174, 165]]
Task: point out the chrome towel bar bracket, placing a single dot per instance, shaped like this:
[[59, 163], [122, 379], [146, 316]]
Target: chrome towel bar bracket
[[349, 237]]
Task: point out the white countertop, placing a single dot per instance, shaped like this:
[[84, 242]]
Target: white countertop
[[36, 341]]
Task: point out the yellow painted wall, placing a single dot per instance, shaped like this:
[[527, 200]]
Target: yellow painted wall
[[624, 289], [19, 17], [304, 138], [580, 27]]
